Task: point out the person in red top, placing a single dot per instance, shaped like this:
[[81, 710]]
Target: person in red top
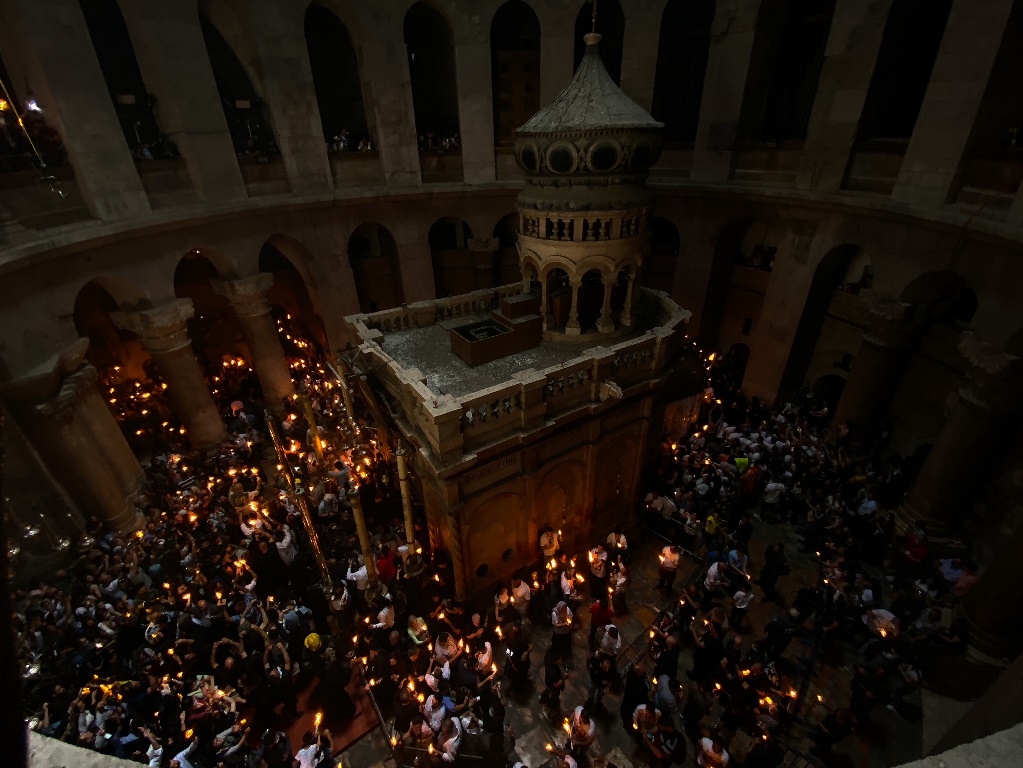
[[385, 566], [600, 615]]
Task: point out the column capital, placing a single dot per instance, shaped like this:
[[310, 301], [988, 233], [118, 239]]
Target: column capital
[[61, 405], [248, 295], [45, 380], [162, 329], [994, 379]]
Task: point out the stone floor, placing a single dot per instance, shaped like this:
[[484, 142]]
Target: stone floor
[[890, 738]]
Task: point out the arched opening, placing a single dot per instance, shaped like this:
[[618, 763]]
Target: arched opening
[[832, 274], [905, 60], [659, 267], [213, 327], [16, 152], [453, 270], [611, 26], [784, 69], [431, 63], [133, 105], [827, 391], [737, 359], [591, 300], [945, 298], [289, 297], [681, 66], [335, 68], [108, 345], [743, 254], [506, 232], [559, 299], [515, 68], [992, 172], [373, 256], [244, 109]]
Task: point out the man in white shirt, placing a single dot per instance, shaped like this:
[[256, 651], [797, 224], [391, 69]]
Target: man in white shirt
[[669, 568], [771, 500], [662, 505], [450, 739], [520, 595], [550, 542], [359, 576]]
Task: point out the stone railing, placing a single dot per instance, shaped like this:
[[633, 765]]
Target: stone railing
[[585, 227], [454, 425]]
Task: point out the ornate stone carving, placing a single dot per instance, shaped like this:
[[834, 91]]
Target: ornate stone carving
[[995, 378], [163, 329], [61, 406], [247, 295]]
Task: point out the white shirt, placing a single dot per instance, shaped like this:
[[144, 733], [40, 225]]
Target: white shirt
[[617, 542], [598, 563], [549, 544], [669, 559], [716, 576], [742, 599], [435, 717], [286, 546], [773, 492], [706, 747], [360, 577], [309, 756], [521, 593]]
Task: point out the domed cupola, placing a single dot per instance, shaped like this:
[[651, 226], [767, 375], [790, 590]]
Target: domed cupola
[[589, 149], [584, 213]]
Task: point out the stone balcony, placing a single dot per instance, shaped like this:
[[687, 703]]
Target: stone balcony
[[456, 410]]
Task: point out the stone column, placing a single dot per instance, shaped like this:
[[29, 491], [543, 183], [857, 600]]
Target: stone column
[[277, 33], [64, 74], [484, 261], [728, 59], [475, 109], [164, 335], [62, 428], [417, 270], [951, 474], [172, 55], [572, 326], [853, 42], [107, 435], [876, 371], [248, 297], [544, 313], [626, 317], [992, 607], [606, 323], [387, 89], [940, 140]]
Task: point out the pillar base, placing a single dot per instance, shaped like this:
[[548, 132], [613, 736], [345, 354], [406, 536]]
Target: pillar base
[[605, 326], [573, 330]]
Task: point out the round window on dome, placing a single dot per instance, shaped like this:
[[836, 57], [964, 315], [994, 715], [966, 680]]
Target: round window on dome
[[640, 156], [561, 159], [603, 157], [527, 158]]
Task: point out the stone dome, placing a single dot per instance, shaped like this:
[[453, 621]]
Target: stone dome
[[589, 149]]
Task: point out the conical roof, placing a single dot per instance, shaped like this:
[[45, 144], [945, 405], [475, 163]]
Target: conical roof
[[591, 102]]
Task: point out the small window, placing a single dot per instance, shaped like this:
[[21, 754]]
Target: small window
[[507, 554], [482, 571], [747, 326]]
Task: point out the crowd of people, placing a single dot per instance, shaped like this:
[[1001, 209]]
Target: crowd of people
[[443, 142], [188, 643], [345, 142]]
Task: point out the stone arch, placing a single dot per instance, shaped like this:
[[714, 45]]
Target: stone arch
[[237, 79], [506, 232], [560, 500], [429, 39], [373, 255], [682, 51], [453, 271], [611, 26], [335, 62], [515, 68], [494, 523], [293, 291], [830, 275], [742, 242], [213, 327], [558, 289], [116, 55], [109, 346], [942, 296], [660, 266]]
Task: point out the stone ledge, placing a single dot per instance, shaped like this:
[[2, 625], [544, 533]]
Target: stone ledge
[[44, 752]]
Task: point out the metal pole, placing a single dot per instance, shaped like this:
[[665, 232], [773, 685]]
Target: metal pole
[[303, 508], [347, 395], [406, 498], [367, 552], [310, 416]]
